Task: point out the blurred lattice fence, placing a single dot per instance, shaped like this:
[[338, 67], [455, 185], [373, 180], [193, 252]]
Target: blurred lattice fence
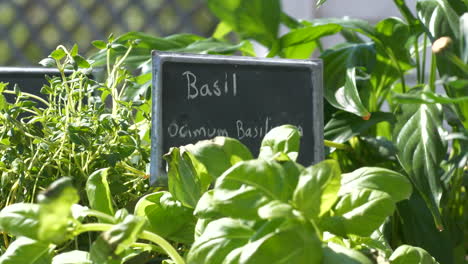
[[30, 29]]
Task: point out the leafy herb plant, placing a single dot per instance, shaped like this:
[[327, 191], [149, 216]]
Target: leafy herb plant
[[265, 210], [73, 133]]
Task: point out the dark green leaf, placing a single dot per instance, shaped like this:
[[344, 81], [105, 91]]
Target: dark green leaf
[[421, 151], [411, 255], [380, 179], [25, 251], [317, 189], [284, 139], [98, 192], [344, 126], [167, 217], [438, 17], [441, 20], [256, 19], [112, 243], [347, 97], [418, 229], [360, 213], [341, 91]]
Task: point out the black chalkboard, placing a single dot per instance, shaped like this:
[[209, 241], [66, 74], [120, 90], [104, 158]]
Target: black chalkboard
[[198, 97], [29, 80]]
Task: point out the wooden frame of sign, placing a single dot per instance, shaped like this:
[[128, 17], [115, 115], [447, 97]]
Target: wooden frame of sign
[[199, 97]]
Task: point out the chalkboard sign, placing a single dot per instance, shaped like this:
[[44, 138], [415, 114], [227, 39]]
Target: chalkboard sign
[[198, 97], [29, 80]]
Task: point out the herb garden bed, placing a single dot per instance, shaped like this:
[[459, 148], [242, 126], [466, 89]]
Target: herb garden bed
[[392, 189]]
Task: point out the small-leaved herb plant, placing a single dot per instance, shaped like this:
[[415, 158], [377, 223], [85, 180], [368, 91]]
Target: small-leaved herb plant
[[81, 125]]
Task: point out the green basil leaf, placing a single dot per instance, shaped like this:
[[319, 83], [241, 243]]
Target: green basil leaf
[[20, 219], [317, 189], [233, 241], [406, 254], [360, 213], [185, 183], [276, 209], [26, 251], [391, 182], [247, 186], [167, 217], [111, 244], [334, 253], [220, 238], [298, 240], [55, 210], [98, 192], [206, 206], [284, 139], [72, 257], [217, 155]]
